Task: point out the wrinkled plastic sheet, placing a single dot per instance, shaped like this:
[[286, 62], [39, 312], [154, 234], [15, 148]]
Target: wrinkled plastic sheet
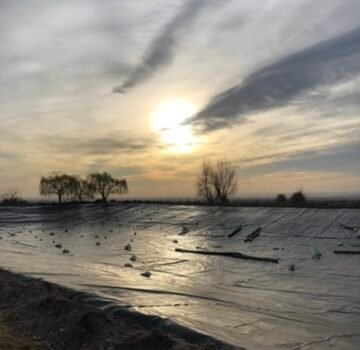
[[253, 304]]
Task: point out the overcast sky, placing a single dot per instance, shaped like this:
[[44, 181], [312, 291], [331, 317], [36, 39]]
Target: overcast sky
[[90, 85]]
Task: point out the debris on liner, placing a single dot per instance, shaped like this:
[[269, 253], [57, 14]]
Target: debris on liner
[[350, 228], [233, 233], [146, 274], [184, 230], [250, 237], [317, 254], [228, 254], [128, 247], [343, 251], [292, 267]]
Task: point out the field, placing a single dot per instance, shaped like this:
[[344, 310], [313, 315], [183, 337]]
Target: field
[[310, 299]]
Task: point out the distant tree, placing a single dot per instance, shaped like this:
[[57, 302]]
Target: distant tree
[[204, 183], [56, 184], [11, 197], [104, 185], [80, 188], [217, 182], [281, 198], [224, 180], [298, 197]]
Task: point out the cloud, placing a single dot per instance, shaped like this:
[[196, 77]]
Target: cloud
[[106, 145], [162, 48], [344, 157], [8, 156], [278, 84]]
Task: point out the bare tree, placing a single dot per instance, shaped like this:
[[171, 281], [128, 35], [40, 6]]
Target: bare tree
[[104, 184], [10, 195], [56, 184], [80, 188], [217, 182], [204, 182], [224, 181]]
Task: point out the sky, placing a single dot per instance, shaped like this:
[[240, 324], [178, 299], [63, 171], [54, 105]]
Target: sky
[[148, 90]]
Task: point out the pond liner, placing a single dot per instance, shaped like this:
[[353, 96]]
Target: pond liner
[[250, 237], [163, 324], [235, 255]]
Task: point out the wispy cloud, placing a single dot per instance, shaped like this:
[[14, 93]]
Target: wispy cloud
[[343, 157], [105, 145], [161, 50], [278, 84]]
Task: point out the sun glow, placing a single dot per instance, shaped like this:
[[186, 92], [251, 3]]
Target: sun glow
[[168, 119]]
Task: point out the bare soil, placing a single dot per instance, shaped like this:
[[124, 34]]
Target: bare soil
[[35, 314]]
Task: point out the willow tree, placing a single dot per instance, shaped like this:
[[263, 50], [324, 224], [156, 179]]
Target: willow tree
[[56, 184], [104, 185], [80, 188]]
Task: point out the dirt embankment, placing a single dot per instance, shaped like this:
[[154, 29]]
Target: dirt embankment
[[35, 314]]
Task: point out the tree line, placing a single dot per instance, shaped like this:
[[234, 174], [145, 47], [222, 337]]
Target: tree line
[[217, 181], [75, 187]]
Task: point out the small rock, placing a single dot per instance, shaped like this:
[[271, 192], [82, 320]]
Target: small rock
[[146, 274], [96, 236], [276, 248], [66, 251], [133, 258], [59, 245], [105, 237], [292, 267], [127, 265], [184, 230], [317, 254], [51, 233], [97, 243], [175, 241], [128, 247]]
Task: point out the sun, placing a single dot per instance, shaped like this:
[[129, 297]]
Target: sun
[[168, 120]]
